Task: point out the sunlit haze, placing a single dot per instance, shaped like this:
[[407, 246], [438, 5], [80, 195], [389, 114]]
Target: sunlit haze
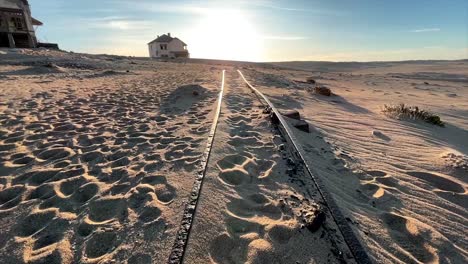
[[262, 30]]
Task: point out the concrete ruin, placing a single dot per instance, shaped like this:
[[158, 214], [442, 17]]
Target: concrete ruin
[[17, 25]]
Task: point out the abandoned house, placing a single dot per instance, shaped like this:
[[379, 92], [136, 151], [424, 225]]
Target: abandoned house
[[17, 24], [166, 46]]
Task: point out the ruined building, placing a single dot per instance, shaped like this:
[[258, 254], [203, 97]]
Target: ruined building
[[17, 25]]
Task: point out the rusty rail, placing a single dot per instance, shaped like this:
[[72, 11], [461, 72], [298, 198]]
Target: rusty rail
[[180, 244], [360, 255]]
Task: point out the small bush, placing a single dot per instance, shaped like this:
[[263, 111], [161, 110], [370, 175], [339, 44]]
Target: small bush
[[412, 112]]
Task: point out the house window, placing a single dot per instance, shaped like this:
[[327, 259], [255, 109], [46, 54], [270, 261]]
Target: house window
[[163, 46], [18, 23]]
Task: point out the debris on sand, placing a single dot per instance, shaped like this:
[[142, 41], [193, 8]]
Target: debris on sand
[[314, 219], [310, 80], [380, 135], [322, 90]]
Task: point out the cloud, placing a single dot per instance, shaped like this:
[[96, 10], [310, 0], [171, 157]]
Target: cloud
[[423, 53], [425, 30], [282, 8], [290, 38], [118, 23], [170, 8], [273, 5]]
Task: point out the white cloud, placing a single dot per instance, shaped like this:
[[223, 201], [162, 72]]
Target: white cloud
[[422, 30], [424, 53], [286, 38], [118, 23]]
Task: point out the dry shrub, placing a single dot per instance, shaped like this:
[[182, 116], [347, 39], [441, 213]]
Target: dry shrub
[[403, 111]]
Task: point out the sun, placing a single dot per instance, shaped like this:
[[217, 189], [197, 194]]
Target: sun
[[226, 35]]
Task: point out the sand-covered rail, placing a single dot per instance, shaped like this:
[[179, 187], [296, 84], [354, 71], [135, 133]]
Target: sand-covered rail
[[178, 250], [299, 154], [251, 206], [401, 183]]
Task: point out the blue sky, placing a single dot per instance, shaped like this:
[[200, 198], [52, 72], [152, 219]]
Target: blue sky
[[263, 30]]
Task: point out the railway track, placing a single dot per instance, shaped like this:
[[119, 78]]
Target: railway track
[[294, 150], [178, 250], [352, 241]]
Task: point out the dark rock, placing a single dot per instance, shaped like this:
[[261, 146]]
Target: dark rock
[[314, 220], [311, 80], [274, 118], [195, 93], [322, 90]]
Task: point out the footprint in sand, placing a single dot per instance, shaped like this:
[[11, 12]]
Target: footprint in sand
[[438, 181], [255, 205], [107, 209], [444, 187], [140, 259], [11, 197], [412, 236], [241, 169], [378, 186], [35, 222], [55, 154], [100, 244]]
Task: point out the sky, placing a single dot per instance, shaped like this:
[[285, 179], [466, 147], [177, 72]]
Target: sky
[[262, 30]]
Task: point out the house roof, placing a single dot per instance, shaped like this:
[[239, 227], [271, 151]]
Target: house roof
[[36, 22], [165, 39], [181, 41], [10, 4]]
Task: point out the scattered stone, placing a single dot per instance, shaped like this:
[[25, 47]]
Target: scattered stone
[[380, 135], [293, 114], [50, 65], [274, 118], [426, 83], [195, 93], [310, 80], [322, 90]]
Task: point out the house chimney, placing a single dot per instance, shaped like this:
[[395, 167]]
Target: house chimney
[[169, 34]]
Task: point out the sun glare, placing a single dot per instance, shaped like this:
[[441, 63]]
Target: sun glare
[[225, 34]]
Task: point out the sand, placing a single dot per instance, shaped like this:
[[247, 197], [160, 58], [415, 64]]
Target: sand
[[98, 155], [96, 164], [403, 183], [251, 209]]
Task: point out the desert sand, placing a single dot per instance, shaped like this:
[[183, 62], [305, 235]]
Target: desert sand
[[96, 163], [403, 183], [98, 155]]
